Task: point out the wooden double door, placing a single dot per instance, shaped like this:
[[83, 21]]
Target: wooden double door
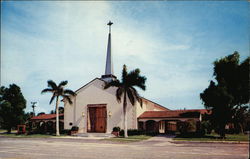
[[97, 119]]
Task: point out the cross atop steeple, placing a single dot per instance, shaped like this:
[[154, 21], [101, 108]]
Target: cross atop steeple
[[110, 23], [109, 63]]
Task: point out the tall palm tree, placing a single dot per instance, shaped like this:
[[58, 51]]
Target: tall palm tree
[[126, 88], [58, 91]]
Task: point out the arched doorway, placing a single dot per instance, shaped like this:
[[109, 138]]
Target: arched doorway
[[150, 126]]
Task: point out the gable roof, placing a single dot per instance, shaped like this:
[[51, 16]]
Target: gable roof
[[46, 117], [88, 84], [192, 113], [155, 104]]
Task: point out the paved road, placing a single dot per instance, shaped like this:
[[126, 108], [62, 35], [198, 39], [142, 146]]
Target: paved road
[[154, 148]]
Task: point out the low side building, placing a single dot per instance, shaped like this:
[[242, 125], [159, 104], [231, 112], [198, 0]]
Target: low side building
[[171, 120], [46, 123]]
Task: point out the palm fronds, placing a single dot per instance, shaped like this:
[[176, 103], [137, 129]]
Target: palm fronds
[[68, 98], [69, 92], [52, 98], [119, 93], [115, 83], [124, 74], [63, 83], [47, 90], [126, 88], [58, 90], [127, 84], [52, 84]]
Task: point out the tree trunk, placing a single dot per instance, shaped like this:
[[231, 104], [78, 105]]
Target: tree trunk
[[125, 115], [57, 117], [9, 130], [222, 131], [241, 128]]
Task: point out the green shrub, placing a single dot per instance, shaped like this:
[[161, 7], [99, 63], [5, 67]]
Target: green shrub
[[132, 132], [191, 135], [187, 126], [74, 128], [65, 131], [151, 133], [207, 126], [116, 129]]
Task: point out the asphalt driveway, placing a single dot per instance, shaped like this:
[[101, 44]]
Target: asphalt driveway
[[155, 148]]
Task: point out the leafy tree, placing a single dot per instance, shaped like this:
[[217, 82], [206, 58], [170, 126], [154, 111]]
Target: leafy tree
[[125, 88], [247, 122], [240, 114], [230, 94], [234, 76], [12, 105], [219, 100], [57, 92], [244, 80], [41, 113], [61, 111], [28, 116]]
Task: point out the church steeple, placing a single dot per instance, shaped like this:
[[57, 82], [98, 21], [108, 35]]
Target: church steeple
[[108, 76]]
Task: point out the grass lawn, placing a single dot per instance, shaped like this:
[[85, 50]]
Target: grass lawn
[[27, 136], [134, 138], [214, 137], [2, 131], [5, 131], [13, 134]]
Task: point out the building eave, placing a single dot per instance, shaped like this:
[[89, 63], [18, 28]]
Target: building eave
[[89, 83]]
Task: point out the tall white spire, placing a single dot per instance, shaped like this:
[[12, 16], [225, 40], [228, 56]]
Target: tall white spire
[[108, 76]]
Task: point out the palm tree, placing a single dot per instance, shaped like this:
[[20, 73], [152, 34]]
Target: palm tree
[[58, 91], [126, 88]]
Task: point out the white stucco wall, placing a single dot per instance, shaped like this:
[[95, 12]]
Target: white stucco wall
[[151, 106], [93, 93], [147, 106]]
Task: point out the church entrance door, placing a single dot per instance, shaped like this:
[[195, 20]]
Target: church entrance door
[[97, 119]]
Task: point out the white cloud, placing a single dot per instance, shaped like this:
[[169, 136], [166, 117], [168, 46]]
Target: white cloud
[[72, 46], [67, 40]]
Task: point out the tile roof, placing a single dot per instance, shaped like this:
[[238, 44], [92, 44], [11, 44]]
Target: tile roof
[[202, 111], [45, 116], [192, 113]]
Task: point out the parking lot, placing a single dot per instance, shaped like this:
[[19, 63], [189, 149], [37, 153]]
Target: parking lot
[[154, 148]]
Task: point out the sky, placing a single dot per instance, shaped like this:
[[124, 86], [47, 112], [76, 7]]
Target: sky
[[174, 44]]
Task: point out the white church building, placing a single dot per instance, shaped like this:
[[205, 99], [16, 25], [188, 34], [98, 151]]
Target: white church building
[[96, 109]]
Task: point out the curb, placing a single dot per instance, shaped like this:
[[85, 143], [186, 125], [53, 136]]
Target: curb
[[220, 142], [81, 138]]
